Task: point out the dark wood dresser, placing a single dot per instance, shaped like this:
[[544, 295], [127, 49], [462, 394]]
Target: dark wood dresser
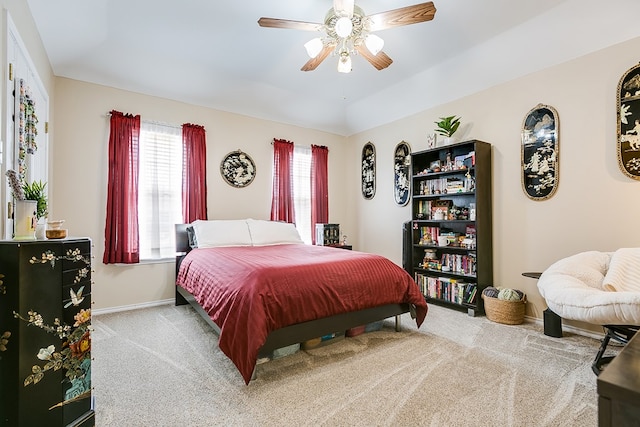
[[45, 356], [619, 388]]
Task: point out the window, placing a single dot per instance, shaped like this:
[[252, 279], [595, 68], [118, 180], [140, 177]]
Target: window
[[159, 189], [302, 191]]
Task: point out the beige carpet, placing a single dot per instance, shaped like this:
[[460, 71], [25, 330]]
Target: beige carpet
[[162, 367]]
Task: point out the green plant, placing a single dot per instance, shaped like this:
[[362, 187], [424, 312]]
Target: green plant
[[447, 126], [36, 191]]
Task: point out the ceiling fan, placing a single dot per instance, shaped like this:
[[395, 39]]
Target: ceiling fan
[[349, 30]]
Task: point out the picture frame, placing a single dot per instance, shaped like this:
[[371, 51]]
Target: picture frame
[[628, 123], [238, 169], [368, 171], [440, 209], [402, 173], [540, 149]]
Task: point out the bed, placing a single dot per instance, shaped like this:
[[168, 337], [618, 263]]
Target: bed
[[260, 288]]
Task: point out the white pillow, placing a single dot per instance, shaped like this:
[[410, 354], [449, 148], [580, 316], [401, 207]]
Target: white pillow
[[272, 232], [624, 271], [214, 233]]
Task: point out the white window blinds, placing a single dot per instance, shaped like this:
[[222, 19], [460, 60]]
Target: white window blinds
[[159, 189], [302, 191]]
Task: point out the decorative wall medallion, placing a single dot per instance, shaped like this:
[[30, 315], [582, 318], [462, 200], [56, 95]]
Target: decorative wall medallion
[[238, 169], [629, 123], [401, 173], [540, 152], [368, 171]]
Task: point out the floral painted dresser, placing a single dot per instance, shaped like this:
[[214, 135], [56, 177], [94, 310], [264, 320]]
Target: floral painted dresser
[[45, 341]]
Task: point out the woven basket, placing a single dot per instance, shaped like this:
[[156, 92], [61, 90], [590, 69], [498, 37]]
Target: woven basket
[[507, 312]]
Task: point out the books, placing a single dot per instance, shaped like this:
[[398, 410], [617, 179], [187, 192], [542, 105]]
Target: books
[[447, 289]]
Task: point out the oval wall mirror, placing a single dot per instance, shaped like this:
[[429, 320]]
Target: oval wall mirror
[[629, 123], [368, 171], [401, 173], [540, 148]]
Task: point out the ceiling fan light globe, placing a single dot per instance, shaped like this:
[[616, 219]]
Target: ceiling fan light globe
[[344, 63], [374, 43], [343, 27], [314, 47]]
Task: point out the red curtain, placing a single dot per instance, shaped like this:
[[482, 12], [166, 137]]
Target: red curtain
[[282, 192], [121, 239], [319, 187], [194, 173]]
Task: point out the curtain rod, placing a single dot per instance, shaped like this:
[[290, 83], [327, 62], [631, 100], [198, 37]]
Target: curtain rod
[[153, 122]]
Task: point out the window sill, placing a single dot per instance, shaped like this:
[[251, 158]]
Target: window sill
[[157, 260]]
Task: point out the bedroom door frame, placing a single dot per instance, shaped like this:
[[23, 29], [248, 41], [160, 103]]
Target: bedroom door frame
[[18, 65]]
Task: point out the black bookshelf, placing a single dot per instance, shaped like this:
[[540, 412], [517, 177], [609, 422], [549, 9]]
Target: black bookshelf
[[451, 228]]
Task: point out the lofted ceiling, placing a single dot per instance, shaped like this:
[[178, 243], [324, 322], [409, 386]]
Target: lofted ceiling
[[214, 54]]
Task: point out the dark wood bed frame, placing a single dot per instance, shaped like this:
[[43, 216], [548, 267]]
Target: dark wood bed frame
[[297, 333]]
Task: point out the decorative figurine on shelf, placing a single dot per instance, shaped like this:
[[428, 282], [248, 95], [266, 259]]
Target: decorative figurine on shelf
[[431, 140], [344, 240]]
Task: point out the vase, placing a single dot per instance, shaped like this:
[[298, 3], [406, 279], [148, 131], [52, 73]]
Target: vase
[[24, 219], [448, 140], [41, 228]]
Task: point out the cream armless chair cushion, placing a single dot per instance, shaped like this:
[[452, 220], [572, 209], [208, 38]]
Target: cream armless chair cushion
[[601, 288]]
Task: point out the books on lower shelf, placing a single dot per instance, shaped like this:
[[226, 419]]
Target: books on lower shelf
[[447, 289]]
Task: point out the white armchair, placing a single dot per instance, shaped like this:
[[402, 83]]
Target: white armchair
[[601, 288]]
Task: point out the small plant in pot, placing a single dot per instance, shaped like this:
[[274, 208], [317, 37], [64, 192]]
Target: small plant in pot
[[446, 127], [36, 191]]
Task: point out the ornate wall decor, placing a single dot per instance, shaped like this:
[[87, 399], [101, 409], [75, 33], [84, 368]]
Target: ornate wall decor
[[27, 130], [540, 152], [401, 173], [368, 171], [629, 123], [238, 169]]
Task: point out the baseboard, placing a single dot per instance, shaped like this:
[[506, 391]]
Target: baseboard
[[572, 329], [99, 311]]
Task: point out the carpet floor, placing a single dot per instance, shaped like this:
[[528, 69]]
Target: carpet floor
[[161, 366]]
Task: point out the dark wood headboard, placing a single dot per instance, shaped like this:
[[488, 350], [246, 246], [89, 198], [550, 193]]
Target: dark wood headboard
[[182, 246], [182, 239]]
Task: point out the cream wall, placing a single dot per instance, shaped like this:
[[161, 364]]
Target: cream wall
[[595, 206], [80, 157]]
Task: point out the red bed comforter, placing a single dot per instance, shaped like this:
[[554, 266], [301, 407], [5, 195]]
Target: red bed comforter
[[250, 291]]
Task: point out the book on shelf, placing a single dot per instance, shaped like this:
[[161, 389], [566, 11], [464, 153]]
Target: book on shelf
[[428, 235], [459, 263], [444, 288], [469, 296], [455, 185], [424, 209]]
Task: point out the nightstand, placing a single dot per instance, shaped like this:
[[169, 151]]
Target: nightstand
[[347, 247]]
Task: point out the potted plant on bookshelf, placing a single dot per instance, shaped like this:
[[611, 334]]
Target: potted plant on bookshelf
[[447, 126], [36, 191]]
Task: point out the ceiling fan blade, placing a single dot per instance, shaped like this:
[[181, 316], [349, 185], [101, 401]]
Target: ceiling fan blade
[[380, 61], [343, 7], [285, 23], [403, 16], [313, 63]]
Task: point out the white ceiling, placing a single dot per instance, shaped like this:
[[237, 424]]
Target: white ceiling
[[213, 53]]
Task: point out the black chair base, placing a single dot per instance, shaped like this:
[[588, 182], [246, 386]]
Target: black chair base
[[618, 333]]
